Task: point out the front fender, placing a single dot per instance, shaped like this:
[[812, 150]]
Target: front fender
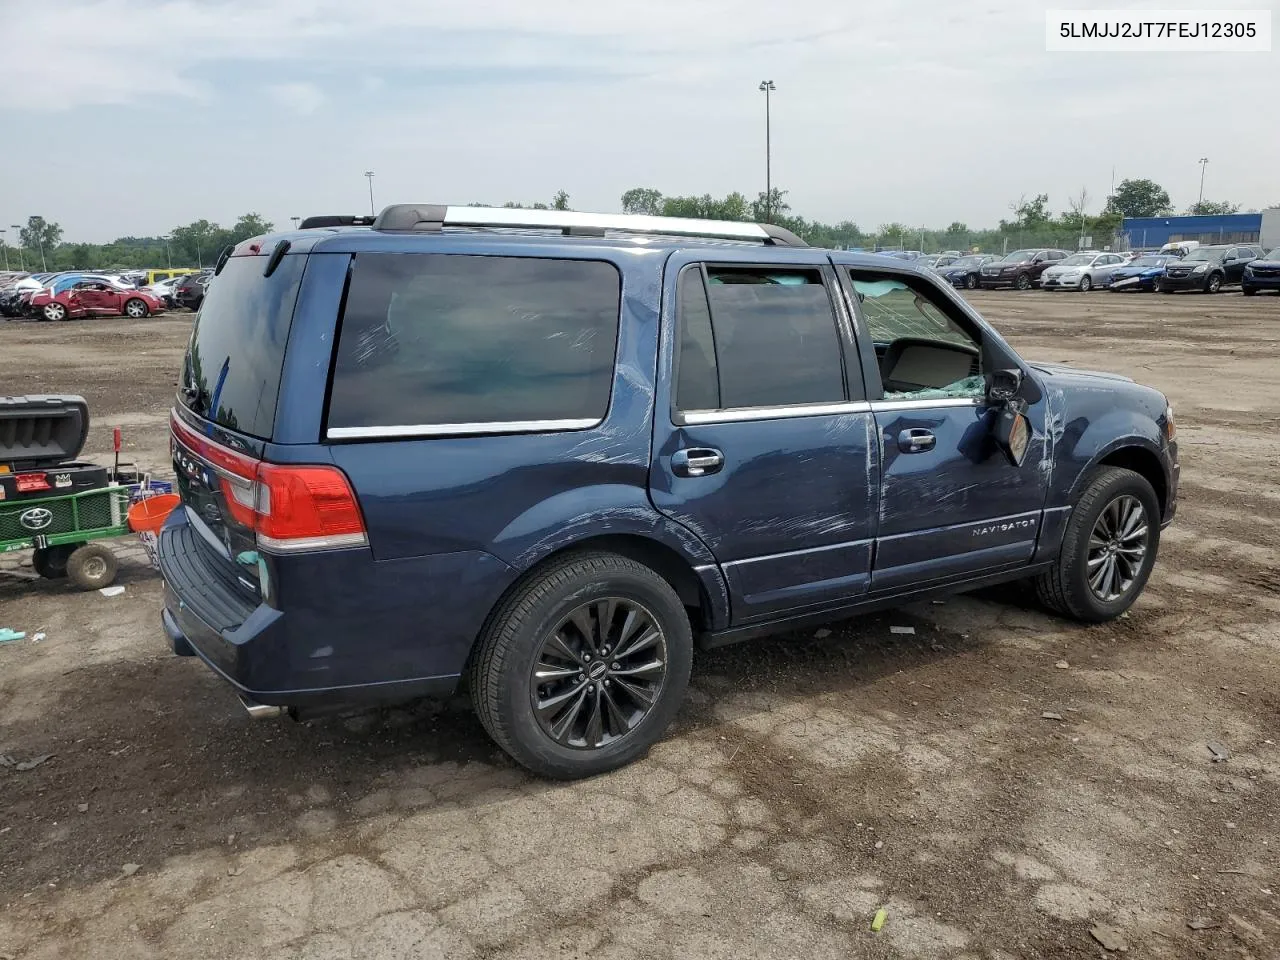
[[1086, 442]]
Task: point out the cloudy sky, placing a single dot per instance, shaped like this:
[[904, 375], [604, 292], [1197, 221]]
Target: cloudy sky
[[132, 116]]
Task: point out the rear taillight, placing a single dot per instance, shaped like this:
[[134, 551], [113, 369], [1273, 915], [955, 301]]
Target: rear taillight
[[291, 508]]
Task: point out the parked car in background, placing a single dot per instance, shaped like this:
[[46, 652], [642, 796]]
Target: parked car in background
[[1020, 269], [1262, 274], [1140, 274], [1208, 269], [965, 271], [164, 289], [190, 290], [95, 298], [1081, 271], [546, 451]]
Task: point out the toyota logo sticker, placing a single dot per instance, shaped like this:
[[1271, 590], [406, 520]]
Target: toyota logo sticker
[[37, 518]]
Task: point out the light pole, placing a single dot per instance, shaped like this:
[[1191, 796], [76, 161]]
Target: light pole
[[369, 176], [768, 87], [1204, 162], [22, 263], [167, 254], [295, 222], [4, 247]]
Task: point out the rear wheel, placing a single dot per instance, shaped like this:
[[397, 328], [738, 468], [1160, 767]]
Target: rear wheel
[[1108, 549], [581, 669], [51, 562], [971, 282], [1214, 283], [92, 566], [54, 311], [135, 308], [1155, 285], [1023, 282]]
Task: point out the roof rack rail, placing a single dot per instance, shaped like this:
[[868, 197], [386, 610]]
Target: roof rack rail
[[335, 220], [431, 217]]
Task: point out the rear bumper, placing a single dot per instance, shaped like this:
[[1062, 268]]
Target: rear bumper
[[341, 626]]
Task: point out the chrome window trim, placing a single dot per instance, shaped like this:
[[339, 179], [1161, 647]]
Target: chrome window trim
[[427, 430], [783, 412], [885, 406]]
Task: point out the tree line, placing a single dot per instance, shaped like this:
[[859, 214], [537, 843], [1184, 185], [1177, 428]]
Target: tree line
[[40, 246], [1032, 223]]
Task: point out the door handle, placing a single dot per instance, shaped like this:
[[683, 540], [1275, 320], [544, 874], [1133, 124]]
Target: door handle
[[696, 462], [916, 440]]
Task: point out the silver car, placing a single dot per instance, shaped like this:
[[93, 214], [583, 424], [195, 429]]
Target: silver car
[[1082, 271]]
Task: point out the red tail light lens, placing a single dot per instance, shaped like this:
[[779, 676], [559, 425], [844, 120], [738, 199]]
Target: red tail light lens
[[306, 508], [291, 508]]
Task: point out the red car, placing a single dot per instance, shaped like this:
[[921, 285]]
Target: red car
[[95, 298]]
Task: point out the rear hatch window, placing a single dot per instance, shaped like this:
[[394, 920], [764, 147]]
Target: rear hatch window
[[232, 371]]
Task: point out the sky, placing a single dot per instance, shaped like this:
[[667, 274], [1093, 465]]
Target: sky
[[130, 117]]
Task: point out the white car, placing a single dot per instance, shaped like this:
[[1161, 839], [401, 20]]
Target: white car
[[164, 289], [1081, 271]]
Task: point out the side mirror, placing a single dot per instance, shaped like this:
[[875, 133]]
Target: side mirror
[[1003, 385], [1012, 428]]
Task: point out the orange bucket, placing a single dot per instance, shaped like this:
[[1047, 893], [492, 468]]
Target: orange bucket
[[148, 515]]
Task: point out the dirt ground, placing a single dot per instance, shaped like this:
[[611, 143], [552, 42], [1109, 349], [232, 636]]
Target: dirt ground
[[810, 781]]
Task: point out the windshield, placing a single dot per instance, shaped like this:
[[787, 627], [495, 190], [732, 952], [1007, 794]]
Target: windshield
[[968, 261], [1204, 253], [1273, 255], [1077, 260], [1019, 256]]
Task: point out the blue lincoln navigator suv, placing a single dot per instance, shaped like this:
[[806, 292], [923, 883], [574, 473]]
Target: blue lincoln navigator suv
[[542, 455]]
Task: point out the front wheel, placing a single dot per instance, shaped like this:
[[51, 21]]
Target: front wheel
[[582, 668], [1086, 283], [136, 309], [1249, 291], [1023, 282], [51, 562], [1108, 549], [1214, 283], [54, 311]]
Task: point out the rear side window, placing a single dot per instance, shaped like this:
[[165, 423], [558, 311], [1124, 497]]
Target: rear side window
[[447, 340], [232, 370], [756, 337]]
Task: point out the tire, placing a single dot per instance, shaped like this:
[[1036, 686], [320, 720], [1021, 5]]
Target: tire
[[1249, 291], [92, 566], [136, 309], [1214, 283], [971, 282], [1155, 285], [51, 562], [1086, 283], [53, 311], [1105, 504], [1023, 282], [538, 623]]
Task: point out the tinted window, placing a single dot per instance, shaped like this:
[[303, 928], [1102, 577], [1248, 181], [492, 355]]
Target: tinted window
[[776, 339], [232, 370], [697, 382], [772, 339], [438, 339]]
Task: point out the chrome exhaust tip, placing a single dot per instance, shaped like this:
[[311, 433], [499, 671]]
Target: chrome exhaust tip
[[261, 711]]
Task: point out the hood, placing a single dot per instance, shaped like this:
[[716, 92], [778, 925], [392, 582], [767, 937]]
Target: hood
[[1059, 269], [1063, 370], [1266, 263]]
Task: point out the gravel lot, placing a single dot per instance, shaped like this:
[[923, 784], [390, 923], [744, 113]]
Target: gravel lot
[[810, 781]]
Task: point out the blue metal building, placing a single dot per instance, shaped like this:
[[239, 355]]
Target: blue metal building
[[1148, 232]]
